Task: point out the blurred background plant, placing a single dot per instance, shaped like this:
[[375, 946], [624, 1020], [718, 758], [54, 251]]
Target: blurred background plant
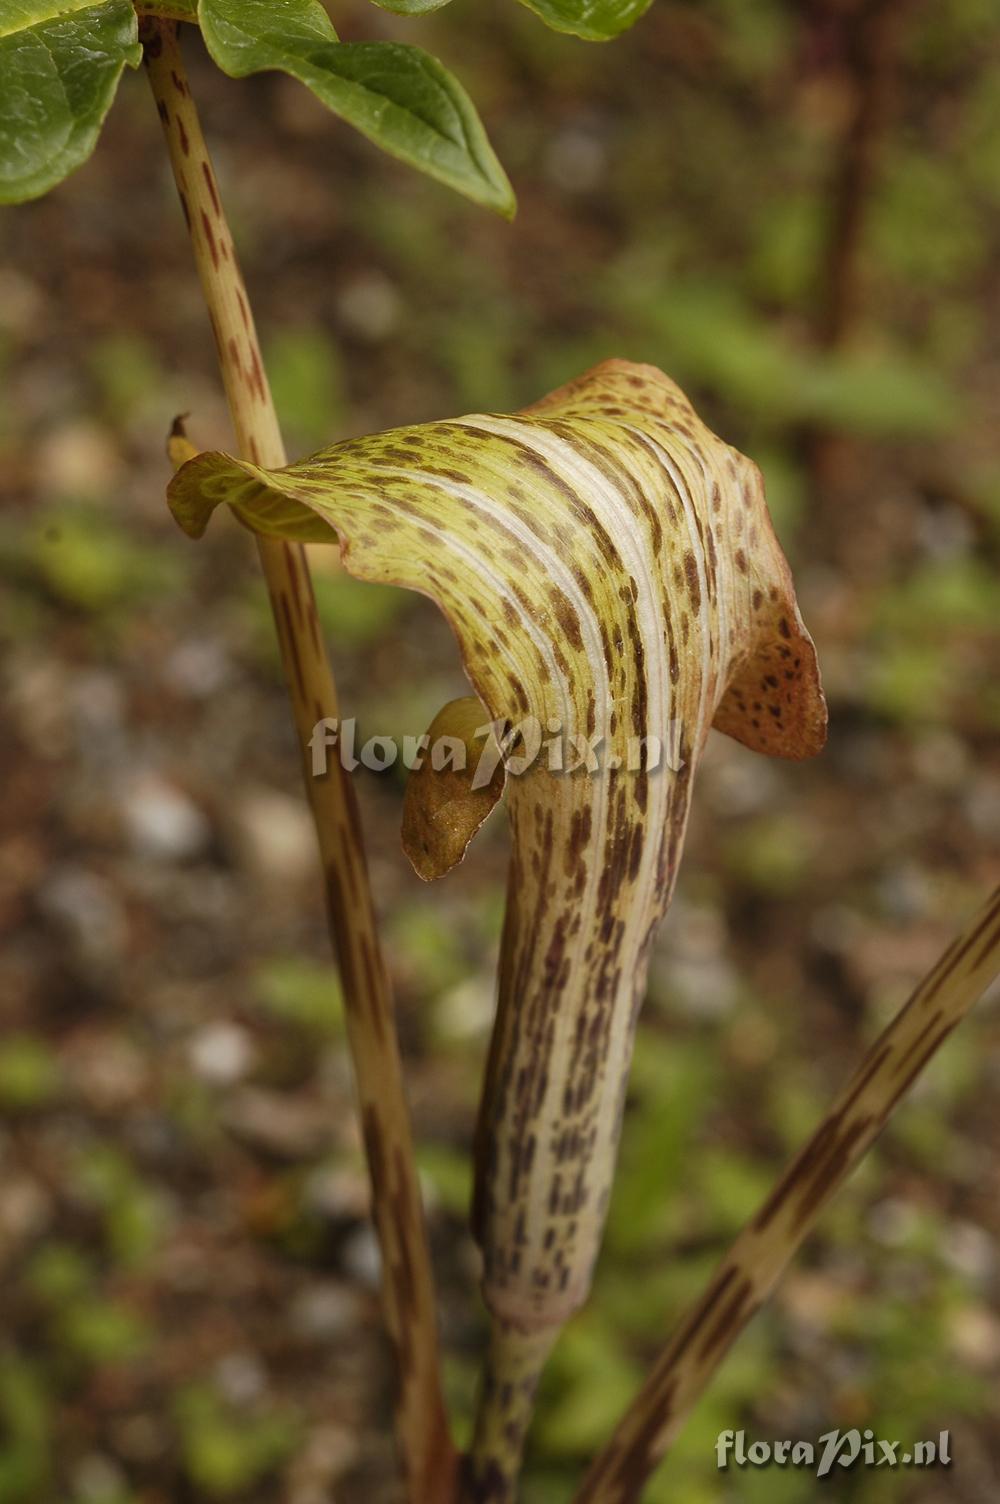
[[794, 211]]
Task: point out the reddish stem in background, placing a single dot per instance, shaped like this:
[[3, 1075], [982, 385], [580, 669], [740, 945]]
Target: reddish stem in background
[[871, 33], [872, 39]]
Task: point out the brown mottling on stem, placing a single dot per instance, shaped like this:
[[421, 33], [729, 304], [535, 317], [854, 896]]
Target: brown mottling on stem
[[755, 1262], [151, 39], [210, 239], [209, 177], [407, 1287], [257, 371]]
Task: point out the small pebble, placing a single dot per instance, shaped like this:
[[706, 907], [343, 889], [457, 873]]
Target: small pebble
[[274, 835], [162, 823], [325, 1311], [240, 1378], [575, 160], [87, 911], [361, 1258], [221, 1052], [369, 306], [98, 1478]]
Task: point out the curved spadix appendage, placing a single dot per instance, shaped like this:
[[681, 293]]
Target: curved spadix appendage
[[613, 579]]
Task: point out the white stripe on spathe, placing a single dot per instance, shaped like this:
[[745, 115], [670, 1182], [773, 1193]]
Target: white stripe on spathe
[[554, 567], [684, 496], [589, 480]]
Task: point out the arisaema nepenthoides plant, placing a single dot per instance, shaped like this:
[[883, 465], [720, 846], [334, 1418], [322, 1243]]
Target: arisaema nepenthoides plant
[[609, 569], [61, 62]]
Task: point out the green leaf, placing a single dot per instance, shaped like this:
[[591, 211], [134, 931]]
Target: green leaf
[[410, 7], [593, 20], [59, 68], [399, 97]]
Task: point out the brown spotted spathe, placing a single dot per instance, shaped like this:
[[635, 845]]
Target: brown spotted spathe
[[608, 566]]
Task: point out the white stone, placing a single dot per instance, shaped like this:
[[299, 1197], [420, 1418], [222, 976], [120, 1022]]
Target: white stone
[[222, 1052]]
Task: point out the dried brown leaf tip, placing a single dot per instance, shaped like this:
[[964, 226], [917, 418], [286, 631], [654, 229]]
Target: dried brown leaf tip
[[449, 795]]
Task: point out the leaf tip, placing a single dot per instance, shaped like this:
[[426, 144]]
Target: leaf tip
[[506, 204], [202, 482]]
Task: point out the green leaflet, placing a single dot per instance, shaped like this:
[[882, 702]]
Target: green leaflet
[[593, 20], [59, 69], [410, 7], [398, 96], [19, 15]]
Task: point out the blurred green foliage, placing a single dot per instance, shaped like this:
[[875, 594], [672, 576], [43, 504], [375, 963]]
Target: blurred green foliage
[[29, 1074], [25, 1461], [133, 1215], [307, 384], [80, 556], [224, 1455], [301, 993], [354, 613]]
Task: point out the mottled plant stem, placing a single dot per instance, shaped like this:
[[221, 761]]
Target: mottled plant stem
[[408, 1291], [757, 1259], [511, 1372]]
